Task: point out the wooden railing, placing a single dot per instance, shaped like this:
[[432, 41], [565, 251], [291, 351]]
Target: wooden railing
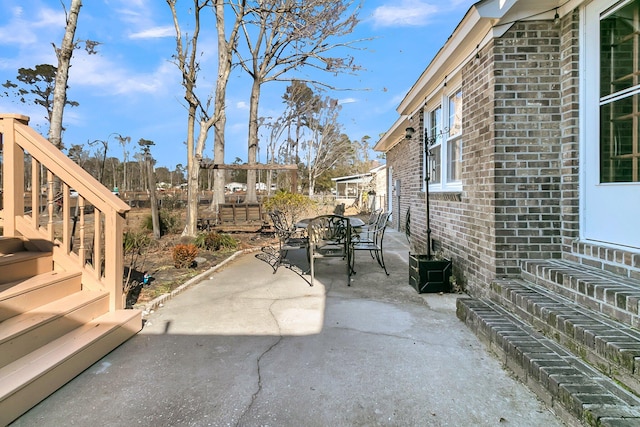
[[83, 227]]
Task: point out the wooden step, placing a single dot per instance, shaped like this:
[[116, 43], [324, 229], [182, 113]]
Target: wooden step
[[32, 378], [26, 332], [20, 265], [24, 295], [572, 388], [10, 245]]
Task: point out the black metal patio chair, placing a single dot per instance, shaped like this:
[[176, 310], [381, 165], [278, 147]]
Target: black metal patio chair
[[289, 238], [366, 231], [329, 237], [372, 241]]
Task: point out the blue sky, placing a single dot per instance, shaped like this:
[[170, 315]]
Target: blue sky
[[132, 88]]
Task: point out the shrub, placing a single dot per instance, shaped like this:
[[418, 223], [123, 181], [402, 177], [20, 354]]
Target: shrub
[[134, 246], [292, 205], [169, 222], [214, 241], [184, 255], [133, 242], [170, 201]]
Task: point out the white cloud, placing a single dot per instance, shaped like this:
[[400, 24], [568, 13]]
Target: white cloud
[[46, 18], [406, 13], [139, 19], [136, 13], [114, 79], [347, 101], [241, 105], [154, 33], [26, 32]]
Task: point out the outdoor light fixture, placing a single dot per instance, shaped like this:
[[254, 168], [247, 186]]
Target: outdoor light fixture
[[408, 132], [556, 18]]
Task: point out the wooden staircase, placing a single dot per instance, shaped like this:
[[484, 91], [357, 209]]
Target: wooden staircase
[[570, 332], [51, 328]]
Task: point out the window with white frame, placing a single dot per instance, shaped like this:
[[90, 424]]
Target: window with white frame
[[620, 94], [434, 139], [445, 143]]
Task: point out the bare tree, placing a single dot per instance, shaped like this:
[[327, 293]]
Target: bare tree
[[78, 154], [186, 60], [274, 142], [148, 159], [124, 141], [103, 154], [226, 46], [64, 54], [284, 35], [327, 145], [301, 104]]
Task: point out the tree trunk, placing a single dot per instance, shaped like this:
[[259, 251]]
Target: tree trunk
[[155, 219], [253, 141], [62, 75], [224, 70], [193, 169]]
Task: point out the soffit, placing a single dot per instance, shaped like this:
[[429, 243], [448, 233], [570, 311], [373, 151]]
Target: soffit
[[483, 21]]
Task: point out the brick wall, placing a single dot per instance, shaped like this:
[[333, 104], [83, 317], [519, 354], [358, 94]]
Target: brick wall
[[520, 171], [405, 161], [527, 145], [509, 208], [570, 73]]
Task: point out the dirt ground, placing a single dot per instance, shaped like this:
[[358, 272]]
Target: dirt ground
[[157, 260]]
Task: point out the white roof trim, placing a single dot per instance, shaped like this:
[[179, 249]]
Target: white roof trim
[[484, 21]]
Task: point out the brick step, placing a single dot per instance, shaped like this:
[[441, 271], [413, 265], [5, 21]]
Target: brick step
[[28, 380], [568, 385], [604, 292], [610, 346]]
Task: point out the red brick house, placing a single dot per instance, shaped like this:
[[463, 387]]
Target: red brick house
[[531, 116]]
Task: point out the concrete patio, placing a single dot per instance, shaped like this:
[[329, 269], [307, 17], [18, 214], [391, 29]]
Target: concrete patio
[[246, 347]]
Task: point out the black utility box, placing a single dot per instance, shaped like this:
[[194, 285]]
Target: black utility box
[[429, 275]]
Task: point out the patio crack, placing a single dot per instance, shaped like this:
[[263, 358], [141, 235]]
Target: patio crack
[[255, 395]]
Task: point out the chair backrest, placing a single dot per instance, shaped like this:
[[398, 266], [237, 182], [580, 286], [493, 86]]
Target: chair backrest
[[280, 223], [339, 209], [329, 230], [381, 226], [383, 219], [374, 217]]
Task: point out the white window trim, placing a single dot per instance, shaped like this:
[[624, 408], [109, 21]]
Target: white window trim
[[442, 101]]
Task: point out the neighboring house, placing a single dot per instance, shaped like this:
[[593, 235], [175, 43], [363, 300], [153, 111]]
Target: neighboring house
[[234, 187], [369, 188], [531, 113]]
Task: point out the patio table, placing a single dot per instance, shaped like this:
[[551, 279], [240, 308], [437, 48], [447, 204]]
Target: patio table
[[354, 221]]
